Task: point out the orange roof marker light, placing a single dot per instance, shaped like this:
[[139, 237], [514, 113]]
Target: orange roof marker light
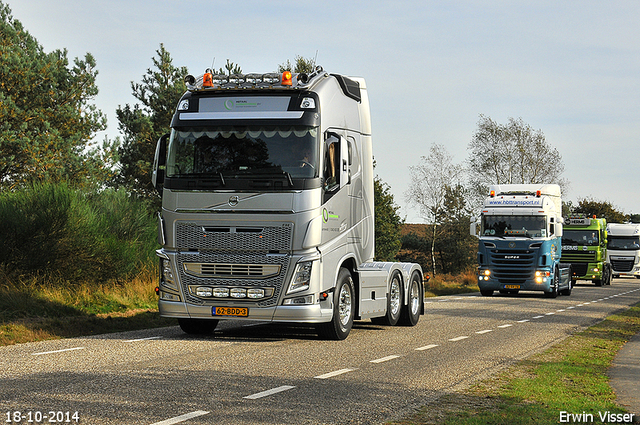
[[538, 193], [492, 193], [287, 78]]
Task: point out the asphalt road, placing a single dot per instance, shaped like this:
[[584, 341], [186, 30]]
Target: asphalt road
[[252, 373]]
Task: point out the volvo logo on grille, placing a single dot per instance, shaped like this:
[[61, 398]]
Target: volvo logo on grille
[[233, 201], [512, 244]]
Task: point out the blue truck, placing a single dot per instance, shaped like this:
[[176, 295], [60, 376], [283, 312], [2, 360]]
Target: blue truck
[[520, 241]]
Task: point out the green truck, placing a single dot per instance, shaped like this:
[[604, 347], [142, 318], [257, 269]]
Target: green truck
[[584, 246]]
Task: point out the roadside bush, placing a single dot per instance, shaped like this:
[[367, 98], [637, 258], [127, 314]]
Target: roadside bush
[[64, 234]]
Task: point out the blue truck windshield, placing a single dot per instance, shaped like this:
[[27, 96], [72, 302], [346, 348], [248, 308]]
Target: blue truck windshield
[[243, 152], [514, 226]]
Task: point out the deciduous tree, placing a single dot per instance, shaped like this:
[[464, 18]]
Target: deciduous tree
[[427, 190], [512, 153]]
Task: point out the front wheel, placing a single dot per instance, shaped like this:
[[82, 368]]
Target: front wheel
[[343, 309]]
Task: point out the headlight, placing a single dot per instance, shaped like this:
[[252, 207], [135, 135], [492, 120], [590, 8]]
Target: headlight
[[168, 278], [301, 277]]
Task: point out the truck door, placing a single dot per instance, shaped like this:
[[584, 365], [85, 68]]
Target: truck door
[[336, 205]]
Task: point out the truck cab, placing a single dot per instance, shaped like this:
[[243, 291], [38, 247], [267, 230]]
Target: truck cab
[[267, 207], [520, 233], [584, 246], [623, 249]]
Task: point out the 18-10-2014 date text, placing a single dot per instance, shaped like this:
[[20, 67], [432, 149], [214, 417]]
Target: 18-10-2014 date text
[[37, 416]]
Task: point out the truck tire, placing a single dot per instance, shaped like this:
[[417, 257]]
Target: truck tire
[[394, 302], [343, 309], [486, 292], [568, 290], [198, 326], [411, 311]]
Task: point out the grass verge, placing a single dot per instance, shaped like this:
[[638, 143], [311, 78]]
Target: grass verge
[[33, 311], [568, 377]]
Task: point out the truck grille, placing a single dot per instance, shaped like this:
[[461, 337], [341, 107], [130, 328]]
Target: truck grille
[[575, 256], [211, 267], [622, 265], [226, 238], [578, 269], [238, 271], [512, 266]]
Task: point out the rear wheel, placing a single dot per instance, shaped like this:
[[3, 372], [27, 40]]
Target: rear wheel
[[343, 309], [394, 302], [198, 326], [568, 290], [411, 312]]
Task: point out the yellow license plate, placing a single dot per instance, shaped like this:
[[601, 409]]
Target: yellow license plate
[[230, 311], [511, 286]]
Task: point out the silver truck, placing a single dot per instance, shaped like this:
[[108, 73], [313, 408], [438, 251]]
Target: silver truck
[[267, 207]]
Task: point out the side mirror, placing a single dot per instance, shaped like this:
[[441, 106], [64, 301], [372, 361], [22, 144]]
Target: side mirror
[[159, 163], [474, 229]]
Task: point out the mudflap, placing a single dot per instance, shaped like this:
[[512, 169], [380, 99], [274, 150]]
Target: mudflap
[[565, 275]]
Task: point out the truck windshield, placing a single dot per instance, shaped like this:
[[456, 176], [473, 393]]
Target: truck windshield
[[240, 152], [580, 237], [629, 243], [514, 225]]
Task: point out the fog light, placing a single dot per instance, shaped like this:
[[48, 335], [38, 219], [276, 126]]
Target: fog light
[[220, 292], [299, 300], [203, 291], [166, 296], [255, 293], [238, 293]]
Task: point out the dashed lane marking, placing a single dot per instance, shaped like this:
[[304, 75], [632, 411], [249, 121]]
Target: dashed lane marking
[[427, 347], [57, 351], [334, 373], [269, 392], [459, 338], [181, 418], [384, 359]]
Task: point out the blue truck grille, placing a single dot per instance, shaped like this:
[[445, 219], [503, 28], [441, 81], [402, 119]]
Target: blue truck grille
[[512, 266]]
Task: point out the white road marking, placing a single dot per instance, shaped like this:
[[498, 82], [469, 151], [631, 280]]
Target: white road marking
[[549, 314], [57, 351], [181, 418], [427, 347], [384, 359], [334, 373], [523, 321], [569, 308], [505, 326], [484, 331], [269, 392], [537, 317], [562, 309], [459, 338], [144, 339]]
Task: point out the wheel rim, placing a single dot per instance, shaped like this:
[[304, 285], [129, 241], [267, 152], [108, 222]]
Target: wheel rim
[[394, 296], [344, 306], [414, 297]]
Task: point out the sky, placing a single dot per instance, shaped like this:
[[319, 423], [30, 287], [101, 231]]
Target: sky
[[570, 69]]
